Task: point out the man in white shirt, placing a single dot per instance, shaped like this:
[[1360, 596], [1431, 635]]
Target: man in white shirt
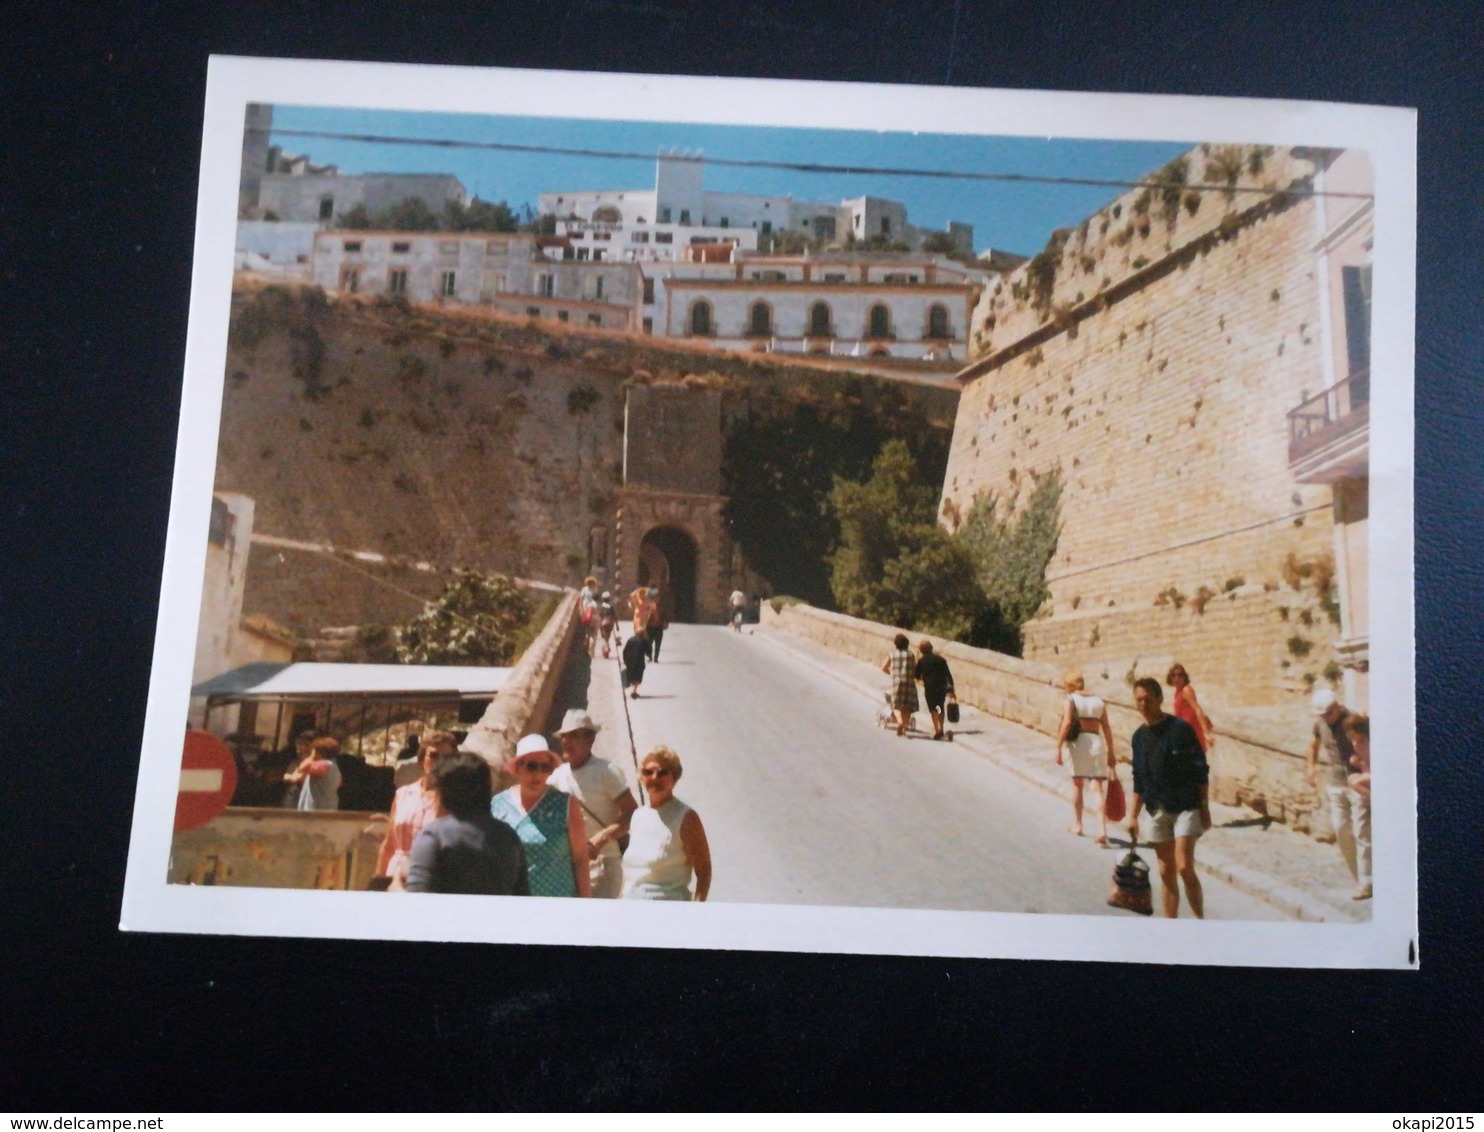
[[739, 608], [603, 794]]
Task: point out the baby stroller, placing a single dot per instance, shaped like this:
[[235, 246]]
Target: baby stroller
[[884, 718]]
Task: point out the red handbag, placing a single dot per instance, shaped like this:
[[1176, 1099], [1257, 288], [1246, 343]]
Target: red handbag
[[1115, 806]]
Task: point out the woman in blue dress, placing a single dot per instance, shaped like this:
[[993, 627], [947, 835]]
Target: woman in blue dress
[[547, 820]]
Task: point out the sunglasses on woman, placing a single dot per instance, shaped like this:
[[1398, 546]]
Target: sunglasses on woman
[[538, 767], [654, 772]]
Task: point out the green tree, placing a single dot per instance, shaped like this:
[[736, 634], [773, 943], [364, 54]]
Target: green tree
[[877, 243], [542, 225], [409, 215], [356, 218], [939, 243], [786, 241], [1010, 555], [477, 620], [478, 216], [894, 564]]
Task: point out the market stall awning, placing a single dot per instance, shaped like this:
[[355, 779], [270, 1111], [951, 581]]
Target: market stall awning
[[263, 681]]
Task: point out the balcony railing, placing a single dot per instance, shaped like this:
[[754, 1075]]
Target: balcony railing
[[1329, 416]]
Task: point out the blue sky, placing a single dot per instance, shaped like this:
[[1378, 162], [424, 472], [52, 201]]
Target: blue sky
[[1011, 217]]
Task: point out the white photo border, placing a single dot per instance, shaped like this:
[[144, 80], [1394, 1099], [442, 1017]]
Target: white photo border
[[1387, 134]]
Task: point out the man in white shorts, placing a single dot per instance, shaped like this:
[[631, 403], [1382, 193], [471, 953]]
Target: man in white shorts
[[1170, 780], [602, 793]]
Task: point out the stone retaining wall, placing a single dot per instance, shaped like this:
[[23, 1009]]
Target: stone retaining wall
[[525, 699], [1255, 761]]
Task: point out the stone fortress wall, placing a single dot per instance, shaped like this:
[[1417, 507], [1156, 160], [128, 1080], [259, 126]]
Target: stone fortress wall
[[1152, 355]]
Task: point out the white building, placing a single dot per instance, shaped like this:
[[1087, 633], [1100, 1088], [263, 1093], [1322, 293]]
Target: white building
[[467, 267], [502, 270], [600, 241], [858, 305], [1329, 433], [286, 248], [680, 202], [322, 196], [227, 639], [912, 307]]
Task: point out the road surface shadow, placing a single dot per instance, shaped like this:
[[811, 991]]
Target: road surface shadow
[[1263, 821]]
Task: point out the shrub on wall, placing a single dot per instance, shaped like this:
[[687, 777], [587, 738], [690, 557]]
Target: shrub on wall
[[478, 619], [1010, 554]]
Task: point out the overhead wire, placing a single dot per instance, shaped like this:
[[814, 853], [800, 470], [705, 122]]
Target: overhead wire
[[806, 166]]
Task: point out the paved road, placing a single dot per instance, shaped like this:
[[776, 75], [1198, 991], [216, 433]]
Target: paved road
[[807, 801]]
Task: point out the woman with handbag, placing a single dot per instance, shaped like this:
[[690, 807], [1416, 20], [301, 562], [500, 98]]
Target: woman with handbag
[[937, 684], [1088, 739]]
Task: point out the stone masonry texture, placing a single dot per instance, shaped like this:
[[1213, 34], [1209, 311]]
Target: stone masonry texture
[[1156, 372]]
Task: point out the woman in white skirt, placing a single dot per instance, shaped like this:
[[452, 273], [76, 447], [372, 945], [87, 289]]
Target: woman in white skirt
[[667, 843], [1091, 752]]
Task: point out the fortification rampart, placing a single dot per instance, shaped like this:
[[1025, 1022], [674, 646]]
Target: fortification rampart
[[1151, 356]]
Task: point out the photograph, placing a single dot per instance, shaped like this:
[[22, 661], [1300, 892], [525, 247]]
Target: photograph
[[914, 520]]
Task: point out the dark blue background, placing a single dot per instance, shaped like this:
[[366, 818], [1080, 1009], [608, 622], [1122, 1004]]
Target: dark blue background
[[101, 133]]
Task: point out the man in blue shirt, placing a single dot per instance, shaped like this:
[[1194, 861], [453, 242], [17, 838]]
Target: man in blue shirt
[[1170, 780]]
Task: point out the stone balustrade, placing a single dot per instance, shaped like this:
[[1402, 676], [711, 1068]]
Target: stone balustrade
[[1256, 761]]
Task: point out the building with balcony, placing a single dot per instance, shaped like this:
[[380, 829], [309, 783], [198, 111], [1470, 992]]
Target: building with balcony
[[1329, 432]]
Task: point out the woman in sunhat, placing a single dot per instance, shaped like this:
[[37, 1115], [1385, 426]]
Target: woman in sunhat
[[547, 821]]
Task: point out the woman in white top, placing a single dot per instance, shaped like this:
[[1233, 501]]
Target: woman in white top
[[1091, 752], [667, 843]]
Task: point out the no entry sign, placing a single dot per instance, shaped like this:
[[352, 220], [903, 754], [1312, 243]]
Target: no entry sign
[[208, 776]]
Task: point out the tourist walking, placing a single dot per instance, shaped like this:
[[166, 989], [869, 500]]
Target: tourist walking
[[1170, 781], [658, 622], [607, 622], [317, 776], [463, 849], [1088, 741], [1358, 730], [902, 668], [603, 795], [639, 606], [1184, 704], [937, 683], [588, 612], [738, 602], [413, 807], [411, 770], [667, 845], [635, 655], [547, 821], [1328, 762]]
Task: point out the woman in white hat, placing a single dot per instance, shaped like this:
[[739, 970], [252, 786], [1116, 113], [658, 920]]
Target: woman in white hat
[[602, 792], [547, 820]]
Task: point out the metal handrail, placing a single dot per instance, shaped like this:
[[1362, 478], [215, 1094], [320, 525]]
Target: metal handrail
[[1341, 400]]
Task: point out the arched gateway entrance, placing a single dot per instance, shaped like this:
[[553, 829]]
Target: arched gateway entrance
[[667, 559]]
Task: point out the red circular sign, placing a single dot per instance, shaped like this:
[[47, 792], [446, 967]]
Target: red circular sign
[[208, 777]]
